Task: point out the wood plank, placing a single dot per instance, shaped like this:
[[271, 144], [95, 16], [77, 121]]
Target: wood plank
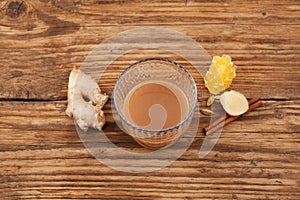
[[41, 42], [41, 156]]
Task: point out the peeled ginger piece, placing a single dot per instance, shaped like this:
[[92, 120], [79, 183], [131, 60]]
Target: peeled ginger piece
[[220, 75], [86, 113], [234, 103]]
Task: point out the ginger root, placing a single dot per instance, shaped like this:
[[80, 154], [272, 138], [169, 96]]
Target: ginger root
[[85, 101]]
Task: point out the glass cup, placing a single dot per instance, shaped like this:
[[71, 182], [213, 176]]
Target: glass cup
[[148, 70]]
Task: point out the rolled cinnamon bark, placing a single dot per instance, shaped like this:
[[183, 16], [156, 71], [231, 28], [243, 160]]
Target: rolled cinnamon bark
[[218, 123]]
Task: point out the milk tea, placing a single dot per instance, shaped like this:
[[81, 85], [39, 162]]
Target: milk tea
[[156, 105]]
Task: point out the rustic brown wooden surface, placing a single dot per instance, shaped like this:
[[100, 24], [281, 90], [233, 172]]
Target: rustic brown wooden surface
[[41, 155]]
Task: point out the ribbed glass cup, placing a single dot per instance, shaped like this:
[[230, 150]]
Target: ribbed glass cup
[[148, 70]]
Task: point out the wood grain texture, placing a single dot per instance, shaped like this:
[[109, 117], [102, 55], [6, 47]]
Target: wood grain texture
[[41, 155], [40, 44]]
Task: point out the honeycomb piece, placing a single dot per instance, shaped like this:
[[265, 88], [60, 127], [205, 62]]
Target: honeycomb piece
[[220, 75]]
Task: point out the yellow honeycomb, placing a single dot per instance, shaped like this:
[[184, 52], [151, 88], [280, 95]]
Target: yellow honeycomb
[[220, 74]]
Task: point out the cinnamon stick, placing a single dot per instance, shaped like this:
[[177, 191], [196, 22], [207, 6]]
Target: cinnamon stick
[[218, 123]]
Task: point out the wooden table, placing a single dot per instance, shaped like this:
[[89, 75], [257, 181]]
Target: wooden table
[[41, 155]]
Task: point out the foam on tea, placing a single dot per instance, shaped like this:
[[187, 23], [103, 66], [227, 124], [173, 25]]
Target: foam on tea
[[156, 105]]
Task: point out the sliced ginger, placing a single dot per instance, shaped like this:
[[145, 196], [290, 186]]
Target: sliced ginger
[[85, 101], [234, 103], [220, 75]]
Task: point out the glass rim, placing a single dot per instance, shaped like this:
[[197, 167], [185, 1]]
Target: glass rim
[[190, 113]]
